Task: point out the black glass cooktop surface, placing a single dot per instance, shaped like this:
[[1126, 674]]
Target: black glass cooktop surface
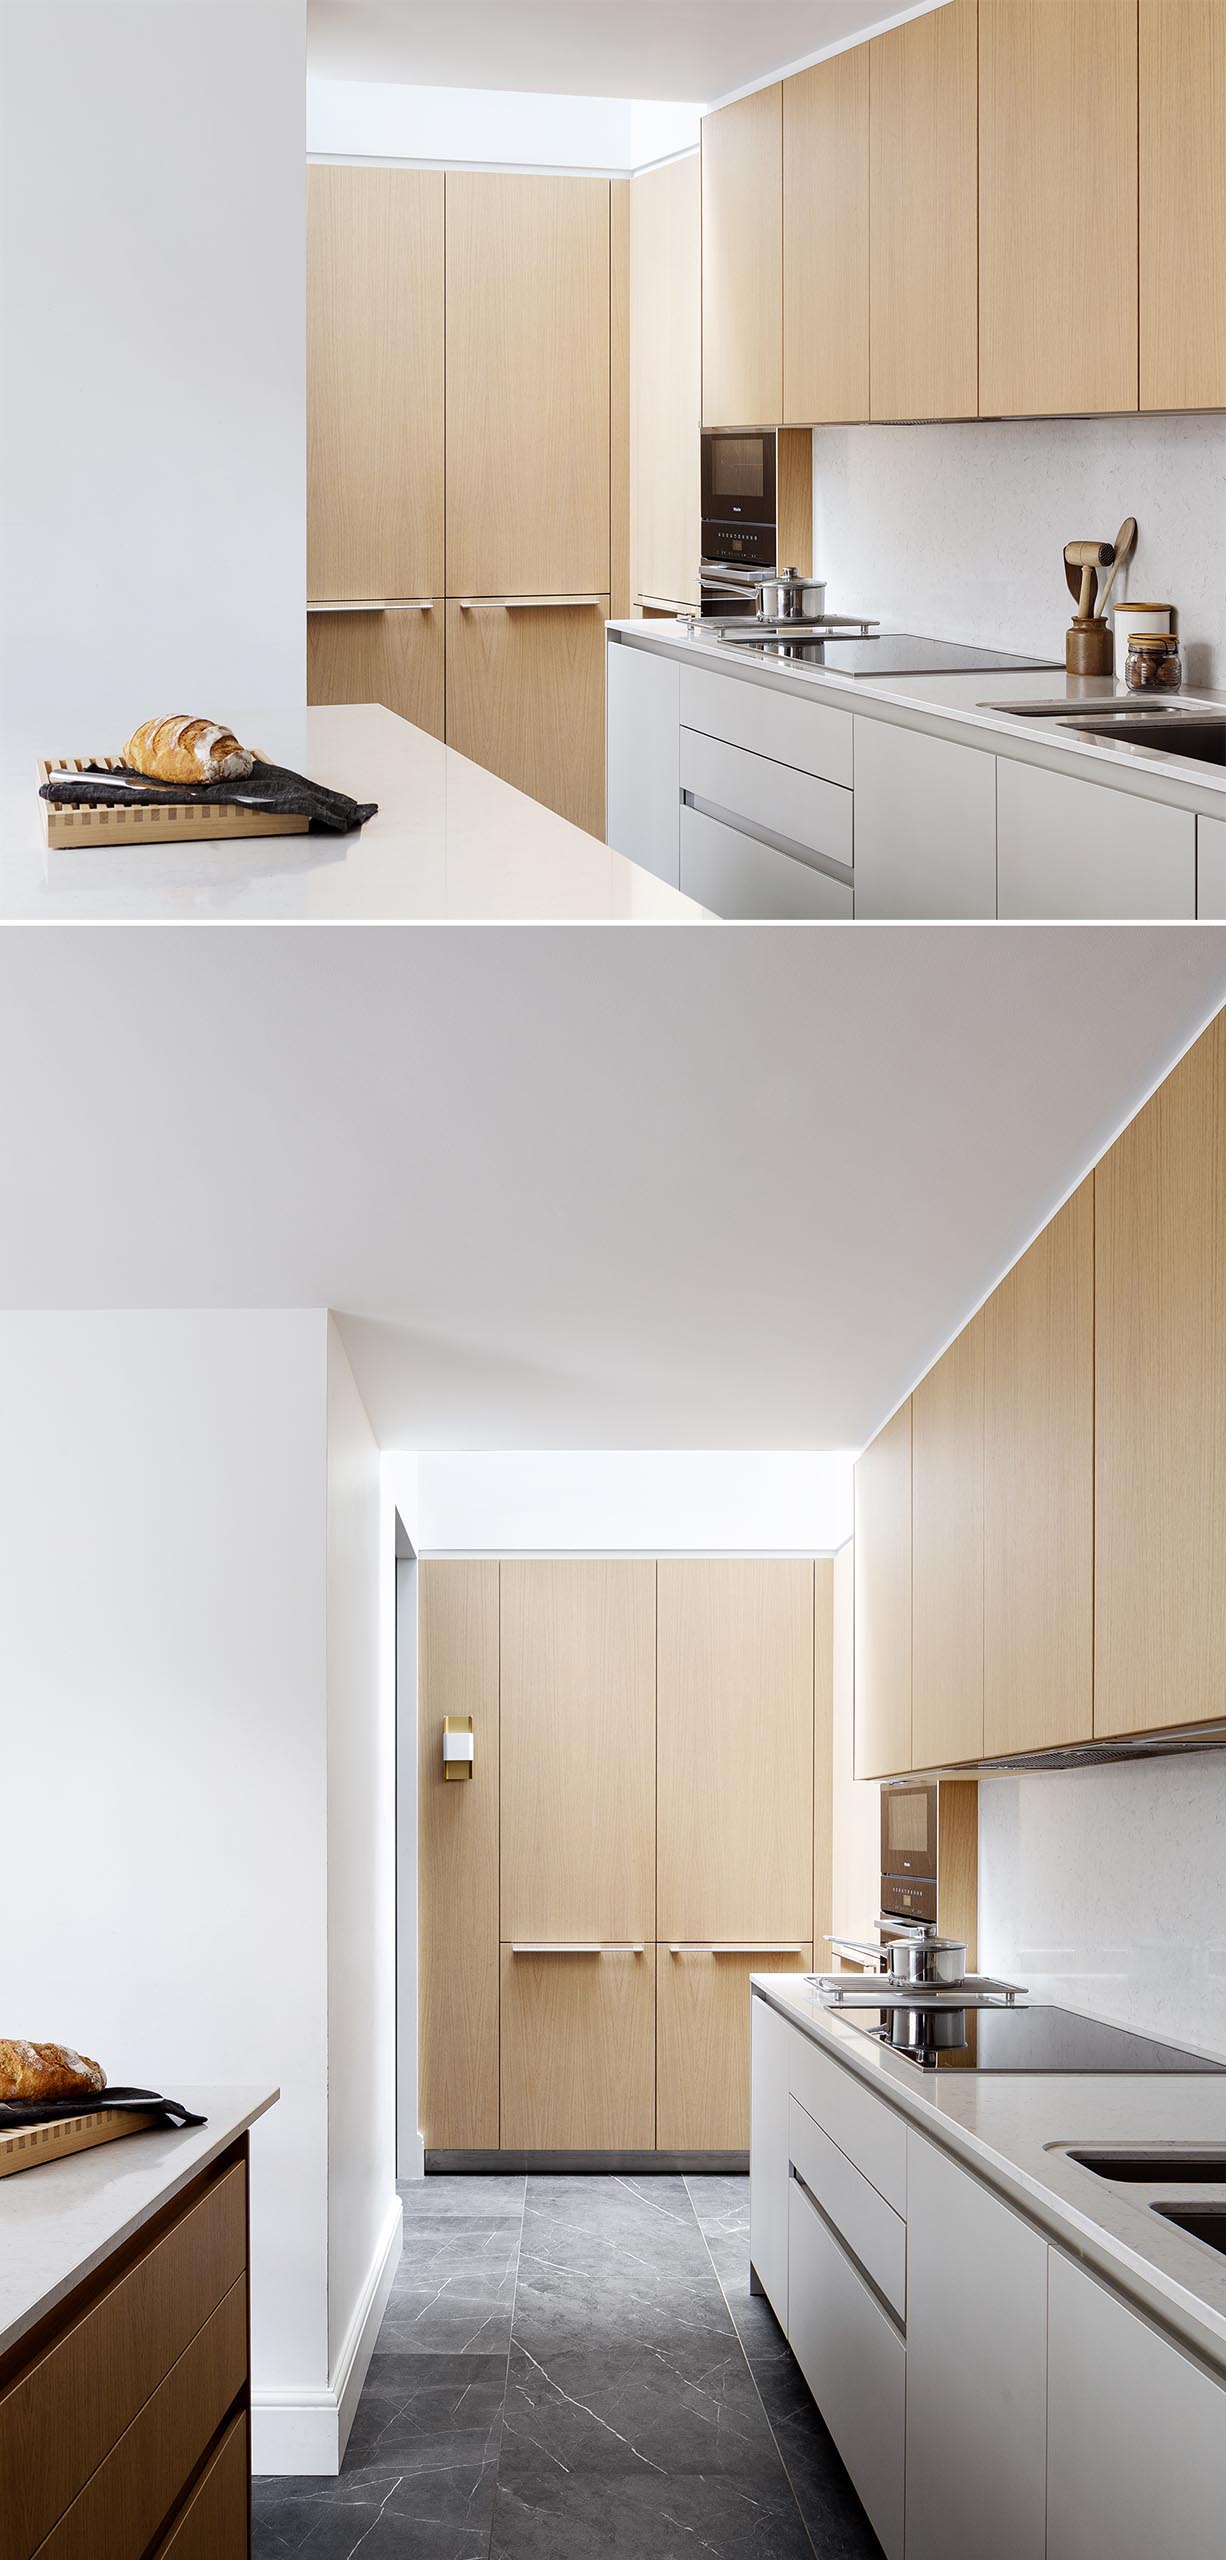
[[892, 653], [1040, 2039]]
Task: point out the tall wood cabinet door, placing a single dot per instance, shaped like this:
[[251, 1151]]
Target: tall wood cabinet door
[[578, 1751], [734, 1793], [394, 657], [947, 1556], [1057, 207], [374, 382], [882, 1570], [702, 2042], [665, 382], [1038, 1492], [742, 262], [578, 2052], [925, 216], [1160, 1405], [525, 698], [457, 1888], [527, 385], [825, 259], [1182, 96]]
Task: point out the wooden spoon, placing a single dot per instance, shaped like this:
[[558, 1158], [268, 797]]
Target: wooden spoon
[[1125, 545]]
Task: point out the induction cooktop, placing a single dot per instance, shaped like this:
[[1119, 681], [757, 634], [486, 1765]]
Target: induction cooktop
[[1040, 2039], [887, 653]]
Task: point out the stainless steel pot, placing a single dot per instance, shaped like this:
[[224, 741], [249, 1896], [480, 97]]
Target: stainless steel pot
[[790, 597], [926, 1960]]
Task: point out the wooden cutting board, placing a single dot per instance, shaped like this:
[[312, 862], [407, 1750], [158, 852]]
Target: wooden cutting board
[[160, 822], [34, 2144]]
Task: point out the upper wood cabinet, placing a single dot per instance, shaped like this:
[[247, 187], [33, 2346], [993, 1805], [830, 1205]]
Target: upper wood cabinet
[[1160, 1405], [458, 1859], [947, 1556], [666, 381], [734, 1801], [742, 262], [883, 1602], [527, 385], [826, 240], [924, 222], [578, 1751], [1183, 203], [1058, 206], [374, 382], [1038, 1582]]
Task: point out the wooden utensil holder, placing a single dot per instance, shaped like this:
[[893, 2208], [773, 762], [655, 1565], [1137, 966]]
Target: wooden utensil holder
[[1089, 647]]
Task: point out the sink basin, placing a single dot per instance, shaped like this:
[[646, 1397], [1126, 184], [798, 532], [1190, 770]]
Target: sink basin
[[1208, 2223], [1156, 2168], [1201, 735]]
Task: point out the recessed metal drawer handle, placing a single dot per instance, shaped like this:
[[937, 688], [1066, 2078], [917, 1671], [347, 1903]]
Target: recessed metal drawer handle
[[524, 604], [371, 604], [843, 2244], [823, 862], [577, 1947], [737, 1947]]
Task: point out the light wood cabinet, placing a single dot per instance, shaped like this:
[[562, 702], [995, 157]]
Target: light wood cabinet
[[578, 2052], [578, 1751], [525, 698], [665, 382], [374, 383], [1057, 207], [528, 385], [702, 2041], [883, 1601], [734, 1789], [393, 656], [1160, 1404], [742, 262], [947, 1555], [924, 222], [458, 1859], [1182, 202], [826, 240], [1038, 1576], [1136, 2433]]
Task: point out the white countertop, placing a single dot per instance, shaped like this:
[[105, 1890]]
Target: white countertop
[[60, 2221], [1003, 2126], [956, 705], [450, 842]]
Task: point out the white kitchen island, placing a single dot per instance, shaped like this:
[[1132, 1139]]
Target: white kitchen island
[[451, 842]]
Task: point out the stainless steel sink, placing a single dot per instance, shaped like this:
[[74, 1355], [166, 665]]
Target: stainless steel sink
[[1201, 2222], [1157, 2168], [1201, 735], [1119, 707]]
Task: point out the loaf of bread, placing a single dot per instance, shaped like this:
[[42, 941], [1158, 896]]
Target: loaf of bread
[[181, 749], [46, 2071]]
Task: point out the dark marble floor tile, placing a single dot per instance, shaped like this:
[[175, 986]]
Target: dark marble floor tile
[[444, 2514], [637, 2410], [426, 2412], [428, 2198], [457, 2315], [720, 2204], [544, 2514]]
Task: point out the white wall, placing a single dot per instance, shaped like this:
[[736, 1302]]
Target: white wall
[[152, 360], [645, 1501], [959, 531], [1102, 1887], [363, 2211], [499, 128]]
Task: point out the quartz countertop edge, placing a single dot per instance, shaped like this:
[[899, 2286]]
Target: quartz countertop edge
[[951, 706], [60, 2221], [1002, 2126]]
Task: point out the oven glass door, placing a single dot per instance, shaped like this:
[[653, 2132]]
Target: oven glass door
[[738, 477], [909, 1831]]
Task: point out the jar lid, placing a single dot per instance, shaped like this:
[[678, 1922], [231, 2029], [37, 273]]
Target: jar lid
[[1158, 641]]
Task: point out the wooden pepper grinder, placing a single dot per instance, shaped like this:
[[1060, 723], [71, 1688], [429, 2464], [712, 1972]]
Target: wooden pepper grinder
[[1088, 646]]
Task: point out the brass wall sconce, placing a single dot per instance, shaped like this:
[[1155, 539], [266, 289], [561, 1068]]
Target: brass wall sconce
[[457, 1746]]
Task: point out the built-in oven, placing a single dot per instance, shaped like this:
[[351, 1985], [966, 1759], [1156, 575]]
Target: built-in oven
[[909, 1817], [739, 517]]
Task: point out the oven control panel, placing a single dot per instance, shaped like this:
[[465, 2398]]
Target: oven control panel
[[907, 1898]]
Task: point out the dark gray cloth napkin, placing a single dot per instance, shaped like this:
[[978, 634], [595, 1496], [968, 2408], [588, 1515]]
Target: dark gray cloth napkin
[[271, 787]]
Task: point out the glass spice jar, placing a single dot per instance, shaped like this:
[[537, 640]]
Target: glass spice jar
[[1153, 662]]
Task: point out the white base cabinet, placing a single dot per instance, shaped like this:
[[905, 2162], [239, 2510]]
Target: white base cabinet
[[642, 790], [1211, 867], [925, 830], [770, 2040], [1136, 2434], [1078, 849], [976, 2368], [855, 2363]]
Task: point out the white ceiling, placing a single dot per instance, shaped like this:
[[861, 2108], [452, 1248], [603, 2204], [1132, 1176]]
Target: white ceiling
[[576, 1187], [693, 49]]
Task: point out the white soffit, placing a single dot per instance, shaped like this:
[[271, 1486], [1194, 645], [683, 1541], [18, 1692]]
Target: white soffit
[[577, 1187]]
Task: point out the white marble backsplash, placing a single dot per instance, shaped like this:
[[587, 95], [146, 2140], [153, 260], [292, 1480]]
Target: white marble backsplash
[[958, 531], [1106, 1888]]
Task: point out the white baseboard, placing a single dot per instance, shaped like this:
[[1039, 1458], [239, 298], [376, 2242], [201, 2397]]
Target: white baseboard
[[301, 2432]]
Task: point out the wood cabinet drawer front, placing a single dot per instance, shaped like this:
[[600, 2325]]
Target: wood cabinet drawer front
[[768, 723], [869, 2227], [214, 2523], [120, 2509], [744, 880], [864, 2129], [855, 2364], [778, 797], [60, 2420]]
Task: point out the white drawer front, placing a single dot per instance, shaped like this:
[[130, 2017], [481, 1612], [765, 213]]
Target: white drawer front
[[874, 2233], [739, 877], [855, 2364], [776, 797], [769, 723], [863, 2126]]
